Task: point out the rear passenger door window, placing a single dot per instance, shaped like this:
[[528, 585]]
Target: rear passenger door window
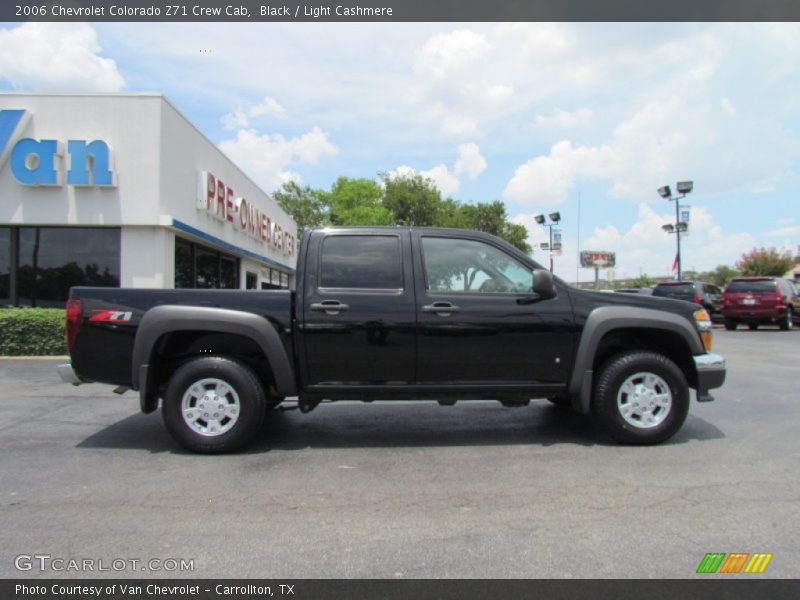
[[361, 262]]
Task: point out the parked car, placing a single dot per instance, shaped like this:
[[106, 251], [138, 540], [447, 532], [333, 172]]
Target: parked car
[[642, 291], [401, 314], [760, 301], [707, 295]]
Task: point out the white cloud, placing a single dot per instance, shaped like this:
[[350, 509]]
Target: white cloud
[[499, 94], [665, 139], [241, 117], [265, 157], [445, 53], [441, 176], [268, 106], [547, 179], [562, 118], [728, 107], [470, 161], [56, 57]]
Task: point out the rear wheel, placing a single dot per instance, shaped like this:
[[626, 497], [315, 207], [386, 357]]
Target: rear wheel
[[752, 326], [731, 324], [786, 322], [214, 405], [641, 398]]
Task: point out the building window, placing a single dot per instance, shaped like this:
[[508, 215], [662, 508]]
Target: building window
[[51, 260], [251, 280], [5, 265], [198, 266]]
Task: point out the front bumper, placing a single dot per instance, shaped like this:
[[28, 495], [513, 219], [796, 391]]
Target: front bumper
[[711, 372], [68, 375]]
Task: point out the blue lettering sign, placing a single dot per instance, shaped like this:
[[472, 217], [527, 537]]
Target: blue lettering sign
[[38, 162], [11, 125], [94, 157], [33, 162]]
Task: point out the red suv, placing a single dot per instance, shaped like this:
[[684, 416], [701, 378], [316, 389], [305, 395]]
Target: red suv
[[760, 300]]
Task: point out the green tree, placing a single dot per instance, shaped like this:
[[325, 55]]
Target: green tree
[[356, 202], [412, 199], [491, 217], [303, 204], [642, 281], [722, 274], [765, 261]]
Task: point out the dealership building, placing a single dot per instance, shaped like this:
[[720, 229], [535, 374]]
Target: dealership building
[[122, 190]]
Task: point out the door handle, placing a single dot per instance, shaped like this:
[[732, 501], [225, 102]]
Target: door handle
[[329, 307], [443, 309]]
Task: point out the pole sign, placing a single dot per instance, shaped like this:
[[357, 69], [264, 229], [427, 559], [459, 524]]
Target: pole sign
[[218, 200], [598, 258], [557, 241], [684, 217], [35, 162]]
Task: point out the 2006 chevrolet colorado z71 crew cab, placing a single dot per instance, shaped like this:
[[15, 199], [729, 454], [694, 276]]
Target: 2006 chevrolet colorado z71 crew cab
[[395, 313]]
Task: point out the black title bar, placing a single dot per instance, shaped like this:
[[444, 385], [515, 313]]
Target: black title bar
[[713, 588], [399, 10]]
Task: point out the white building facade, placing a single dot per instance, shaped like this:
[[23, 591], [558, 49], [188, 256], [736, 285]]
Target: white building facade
[[123, 190]]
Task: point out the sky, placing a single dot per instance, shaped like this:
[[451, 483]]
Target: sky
[[585, 119]]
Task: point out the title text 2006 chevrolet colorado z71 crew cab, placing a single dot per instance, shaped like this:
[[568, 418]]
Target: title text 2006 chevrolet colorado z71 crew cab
[[395, 313]]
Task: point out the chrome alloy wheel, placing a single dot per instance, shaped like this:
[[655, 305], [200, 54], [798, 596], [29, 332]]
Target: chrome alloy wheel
[[644, 400], [210, 407]]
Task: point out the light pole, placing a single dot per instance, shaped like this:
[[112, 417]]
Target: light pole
[[555, 217], [684, 188]]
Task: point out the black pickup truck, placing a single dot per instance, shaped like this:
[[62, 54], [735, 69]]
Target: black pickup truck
[[401, 314]]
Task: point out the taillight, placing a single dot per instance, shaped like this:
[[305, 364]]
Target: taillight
[[697, 299], [74, 316]]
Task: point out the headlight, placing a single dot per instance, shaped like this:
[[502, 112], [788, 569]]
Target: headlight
[[703, 322]]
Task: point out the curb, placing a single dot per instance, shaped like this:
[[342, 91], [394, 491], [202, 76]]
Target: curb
[[52, 357]]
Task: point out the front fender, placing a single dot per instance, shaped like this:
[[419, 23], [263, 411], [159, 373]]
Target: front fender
[[604, 319]]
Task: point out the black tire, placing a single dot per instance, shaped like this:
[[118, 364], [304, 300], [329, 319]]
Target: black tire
[[731, 324], [247, 395], [613, 376], [561, 401], [752, 326], [787, 321]]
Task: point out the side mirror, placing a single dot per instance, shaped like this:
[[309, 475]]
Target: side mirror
[[543, 285]]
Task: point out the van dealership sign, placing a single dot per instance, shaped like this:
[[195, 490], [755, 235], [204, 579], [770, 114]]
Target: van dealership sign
[[219, 200], [44, 162]]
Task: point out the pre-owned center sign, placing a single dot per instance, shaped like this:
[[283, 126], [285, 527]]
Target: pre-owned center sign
[[220, 201]]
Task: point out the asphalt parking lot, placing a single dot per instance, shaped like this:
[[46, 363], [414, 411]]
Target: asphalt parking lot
[[407, 490]]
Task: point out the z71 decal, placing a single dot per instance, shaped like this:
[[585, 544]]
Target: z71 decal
[[110, 316]]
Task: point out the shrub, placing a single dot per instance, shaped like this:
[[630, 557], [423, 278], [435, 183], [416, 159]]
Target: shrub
[[32, 332]]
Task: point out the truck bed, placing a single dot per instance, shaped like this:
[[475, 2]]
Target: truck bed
[[104, 344]]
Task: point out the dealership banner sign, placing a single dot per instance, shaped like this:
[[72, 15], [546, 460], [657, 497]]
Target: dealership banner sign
[[219, 200]]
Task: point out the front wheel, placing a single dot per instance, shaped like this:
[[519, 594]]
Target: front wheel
[[214, 405], [641, 398]]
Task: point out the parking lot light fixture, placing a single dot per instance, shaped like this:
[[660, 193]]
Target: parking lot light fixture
[[683, 187]]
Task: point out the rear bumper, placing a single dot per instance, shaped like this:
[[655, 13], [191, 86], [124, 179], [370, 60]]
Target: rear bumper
[[744, 313], [710, 374], [68, 375]]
